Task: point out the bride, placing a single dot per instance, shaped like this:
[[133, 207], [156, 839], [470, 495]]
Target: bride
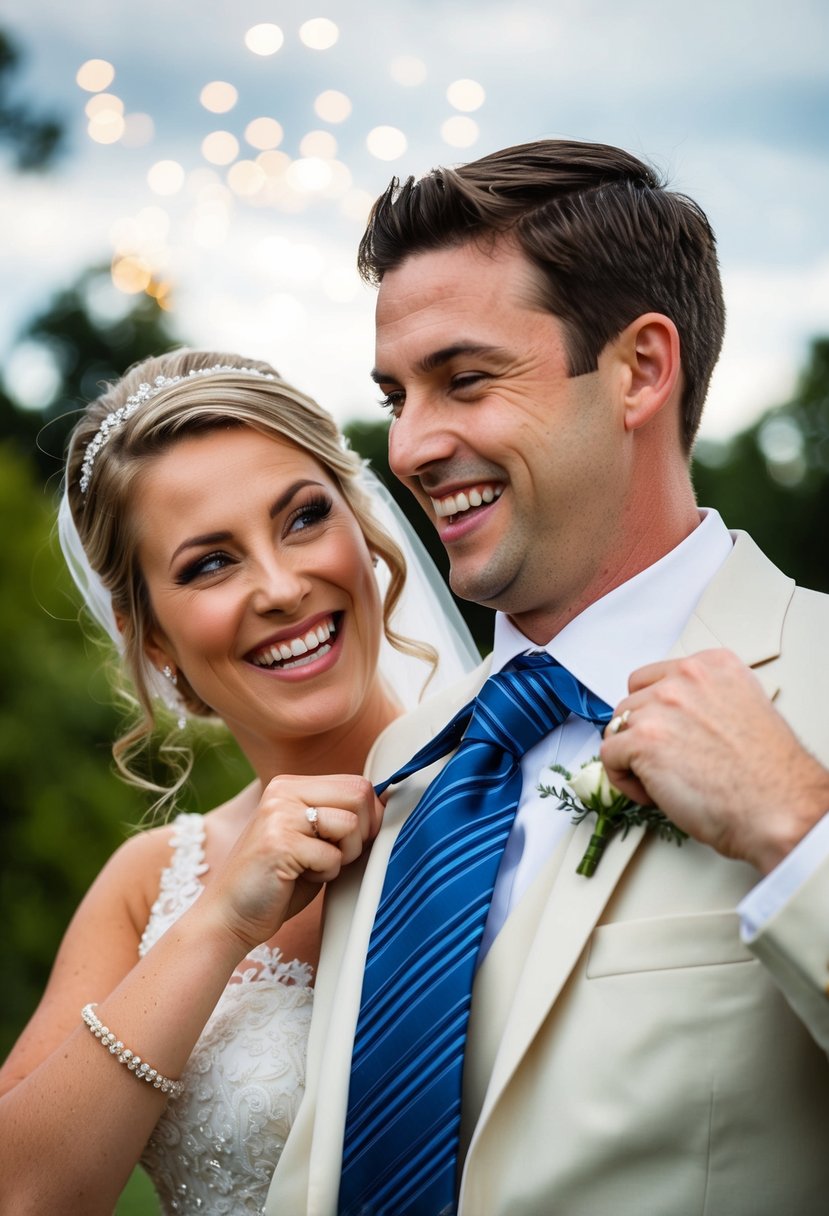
[[242, 561]]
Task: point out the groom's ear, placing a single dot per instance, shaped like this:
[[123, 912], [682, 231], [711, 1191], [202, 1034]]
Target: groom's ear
[[649, 351]]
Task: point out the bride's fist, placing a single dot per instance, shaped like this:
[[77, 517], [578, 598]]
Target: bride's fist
[[304, 830]]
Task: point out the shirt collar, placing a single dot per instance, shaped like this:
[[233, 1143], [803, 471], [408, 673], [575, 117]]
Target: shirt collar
[[635, 623]]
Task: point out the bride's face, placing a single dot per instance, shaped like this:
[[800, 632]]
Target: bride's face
[[261, 584]]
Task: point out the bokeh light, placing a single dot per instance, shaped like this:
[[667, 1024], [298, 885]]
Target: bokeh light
[[319, 33], [103, 103], [131, 274], [273, 164], [264, 39], [264, 133], [332, 106], [31, 375], [459, 131], [106, 127], [386, 143], [95, 74], [318, 143], [340, 179], [309, 174], [165, 177], [220, 147], [246, 178], [466, 95], [407, 70], [218, 96]]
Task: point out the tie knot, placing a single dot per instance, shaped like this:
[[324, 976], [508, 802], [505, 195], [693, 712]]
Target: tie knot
[[515, 709]]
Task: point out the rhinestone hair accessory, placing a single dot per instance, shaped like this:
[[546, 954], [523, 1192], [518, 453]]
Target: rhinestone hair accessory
[[144, 393]]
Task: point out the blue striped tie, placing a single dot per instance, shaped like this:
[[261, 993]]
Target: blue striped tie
[[404, 1103]]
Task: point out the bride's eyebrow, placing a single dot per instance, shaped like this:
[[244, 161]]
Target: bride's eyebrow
[[217, 538], [286, 496]]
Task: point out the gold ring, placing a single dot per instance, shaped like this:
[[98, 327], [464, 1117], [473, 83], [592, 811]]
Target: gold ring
[[618, 723], [312, 815]]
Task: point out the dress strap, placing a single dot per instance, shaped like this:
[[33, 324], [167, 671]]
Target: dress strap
[[180, 882]]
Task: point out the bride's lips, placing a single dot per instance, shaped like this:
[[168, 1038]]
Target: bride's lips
[[301, 650]]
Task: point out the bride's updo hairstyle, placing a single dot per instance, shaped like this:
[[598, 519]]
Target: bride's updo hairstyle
[[157, 403]]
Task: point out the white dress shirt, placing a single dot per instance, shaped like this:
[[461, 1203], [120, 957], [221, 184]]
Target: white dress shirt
[[637, 623]]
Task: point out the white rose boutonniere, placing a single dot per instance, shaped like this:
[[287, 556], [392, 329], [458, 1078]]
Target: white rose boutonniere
[[590, 791]]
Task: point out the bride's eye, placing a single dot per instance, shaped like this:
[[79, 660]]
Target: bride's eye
[[310, 513], [210, 563]]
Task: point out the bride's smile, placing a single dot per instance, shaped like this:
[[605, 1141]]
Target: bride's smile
[[261, 584]]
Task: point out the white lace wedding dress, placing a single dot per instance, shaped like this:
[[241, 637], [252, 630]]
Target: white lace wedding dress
[[214, 1150]]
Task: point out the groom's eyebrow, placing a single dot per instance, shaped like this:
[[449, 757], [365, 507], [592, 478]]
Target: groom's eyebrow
[[439, 358]]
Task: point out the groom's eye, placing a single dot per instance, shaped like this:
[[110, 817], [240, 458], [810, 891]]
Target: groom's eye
[[393, 401]]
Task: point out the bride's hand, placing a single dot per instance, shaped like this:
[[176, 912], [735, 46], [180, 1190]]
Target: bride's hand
[[284, 853]]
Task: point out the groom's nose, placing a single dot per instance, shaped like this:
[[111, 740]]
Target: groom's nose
[[423, 437]]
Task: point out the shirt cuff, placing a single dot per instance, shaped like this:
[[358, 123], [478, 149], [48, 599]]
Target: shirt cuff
[[777, 887]]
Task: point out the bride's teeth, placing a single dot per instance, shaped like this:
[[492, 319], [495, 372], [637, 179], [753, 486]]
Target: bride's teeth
[[487, 494], [313, 645]]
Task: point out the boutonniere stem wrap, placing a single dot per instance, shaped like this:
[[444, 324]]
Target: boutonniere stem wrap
[[589, 792]]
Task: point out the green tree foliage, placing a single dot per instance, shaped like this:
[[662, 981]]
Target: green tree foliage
[[33, 139], [88, 344], [62, 810], [773, 479]]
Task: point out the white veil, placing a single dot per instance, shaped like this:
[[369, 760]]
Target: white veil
[[425, 611]]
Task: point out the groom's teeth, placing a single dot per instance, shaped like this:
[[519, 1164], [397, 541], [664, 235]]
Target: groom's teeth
[[456, 504]]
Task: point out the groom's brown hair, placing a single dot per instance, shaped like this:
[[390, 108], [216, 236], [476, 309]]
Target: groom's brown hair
[[609, 240]]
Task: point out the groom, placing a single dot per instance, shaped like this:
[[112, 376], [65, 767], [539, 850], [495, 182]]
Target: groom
[[548, 320]]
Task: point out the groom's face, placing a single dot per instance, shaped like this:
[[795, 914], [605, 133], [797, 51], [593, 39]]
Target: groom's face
[[521, 466]]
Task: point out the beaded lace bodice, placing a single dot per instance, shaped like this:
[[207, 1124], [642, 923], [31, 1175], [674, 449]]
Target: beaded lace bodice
[[214, 1150]]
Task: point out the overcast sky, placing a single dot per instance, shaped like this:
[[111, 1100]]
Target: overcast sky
[[730, 98]]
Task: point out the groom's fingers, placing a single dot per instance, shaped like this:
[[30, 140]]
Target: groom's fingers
[[700, 739]]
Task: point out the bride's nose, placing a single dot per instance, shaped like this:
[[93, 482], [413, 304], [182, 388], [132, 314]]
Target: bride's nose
[[278, 586]]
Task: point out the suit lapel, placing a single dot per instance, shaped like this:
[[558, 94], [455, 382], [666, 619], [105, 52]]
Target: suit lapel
[[742, 609], [726, 615]]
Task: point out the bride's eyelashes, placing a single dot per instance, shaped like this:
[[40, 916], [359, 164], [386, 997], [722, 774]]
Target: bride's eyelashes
[[210, 563], [313, 511]]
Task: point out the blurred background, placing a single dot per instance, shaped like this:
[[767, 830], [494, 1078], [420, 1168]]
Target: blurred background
[[200, 173]]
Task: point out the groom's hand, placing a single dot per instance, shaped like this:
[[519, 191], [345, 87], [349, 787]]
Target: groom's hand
[[702, 741]]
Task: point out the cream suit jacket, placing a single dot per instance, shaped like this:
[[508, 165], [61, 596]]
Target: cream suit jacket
[[627, 1054]]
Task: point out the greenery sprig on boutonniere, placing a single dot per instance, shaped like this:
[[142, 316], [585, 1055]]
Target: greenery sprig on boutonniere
[[590, 791]]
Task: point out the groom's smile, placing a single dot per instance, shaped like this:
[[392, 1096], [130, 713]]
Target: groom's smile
[[522, 467]]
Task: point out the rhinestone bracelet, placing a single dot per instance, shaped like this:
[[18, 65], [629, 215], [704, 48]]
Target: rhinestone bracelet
[[123, 1055]]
